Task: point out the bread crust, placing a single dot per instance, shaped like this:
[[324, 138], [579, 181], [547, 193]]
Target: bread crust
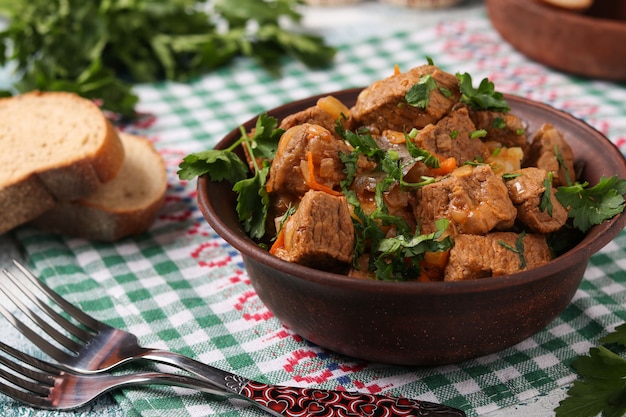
[[126, 206], [26, 194]]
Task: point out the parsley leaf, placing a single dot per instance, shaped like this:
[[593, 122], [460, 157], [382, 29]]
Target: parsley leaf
[[398, 258], [562, 164], [589, 206], [225, 165], [546, 197], [476, 134], [362, 142], [618, 336], [419, 94], [264, 140], [367, 231], [253, 201], [601, 387], [420, 154], [220, 165], [498, 123], [518, 249], [484, 97]]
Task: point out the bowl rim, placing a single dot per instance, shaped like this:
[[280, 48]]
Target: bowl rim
[[598, 237], [579, 18]]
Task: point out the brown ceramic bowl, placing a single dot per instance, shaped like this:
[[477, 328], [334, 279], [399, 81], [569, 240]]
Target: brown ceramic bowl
[[413, 323], [590, 44]]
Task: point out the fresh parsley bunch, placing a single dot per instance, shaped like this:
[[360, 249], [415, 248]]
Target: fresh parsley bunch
[[601, 388], [98, 48]]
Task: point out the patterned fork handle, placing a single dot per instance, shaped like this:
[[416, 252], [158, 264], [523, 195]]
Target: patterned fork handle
[[311, 402]]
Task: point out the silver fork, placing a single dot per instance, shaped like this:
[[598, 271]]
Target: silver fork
[[94, 346], [44, 385]]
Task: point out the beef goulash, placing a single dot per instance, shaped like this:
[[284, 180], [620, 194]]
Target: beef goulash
[[425, 178]]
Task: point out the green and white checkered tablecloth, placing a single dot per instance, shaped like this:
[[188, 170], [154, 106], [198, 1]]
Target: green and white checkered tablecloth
[[181, 287]]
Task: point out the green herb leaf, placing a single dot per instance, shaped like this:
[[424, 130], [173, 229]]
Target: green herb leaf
[[482, 98], [253, 202], [224, 164], [546, 197], [509, 176], [220, 165], [264, 140], [420, 154], [252, 199], [561, 161], [518, 249], [398, 258], [601, 388], [618, 336], [589, 206], [476, 134], [98, 49], [498, 123], [419, 94]]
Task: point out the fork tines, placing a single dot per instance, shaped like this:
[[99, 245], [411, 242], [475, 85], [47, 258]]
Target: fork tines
[[28, 380], [40, 313]]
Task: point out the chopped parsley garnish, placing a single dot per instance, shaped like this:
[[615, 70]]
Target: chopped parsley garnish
[[419, 94], [561, 161], [546, 197], [398, 258], [519, 249], [510, 175], [482, 98], [388, 161], [481, 133], [498, 123]]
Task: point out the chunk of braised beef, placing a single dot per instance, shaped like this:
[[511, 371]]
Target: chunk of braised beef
[[504, 128], [495, 254], [472, 198], [452, 137], [527, 191], [549, 151], [326, 113], [383, 106], [290, 174], [320, 233]]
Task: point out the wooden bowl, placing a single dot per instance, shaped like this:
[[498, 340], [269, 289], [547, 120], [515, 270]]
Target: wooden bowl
[[590, 44], [413, 323]]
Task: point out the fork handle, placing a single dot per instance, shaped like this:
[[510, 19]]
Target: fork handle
[[298, 402], [292, 402]]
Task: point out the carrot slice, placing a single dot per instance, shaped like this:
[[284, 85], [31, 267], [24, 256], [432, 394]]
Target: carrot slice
[[312, 181], [438, 259], [445, 167], [279, 242]]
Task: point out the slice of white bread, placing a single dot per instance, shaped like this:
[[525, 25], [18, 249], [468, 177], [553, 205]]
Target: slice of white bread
[[124, 206], [53, 146]]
